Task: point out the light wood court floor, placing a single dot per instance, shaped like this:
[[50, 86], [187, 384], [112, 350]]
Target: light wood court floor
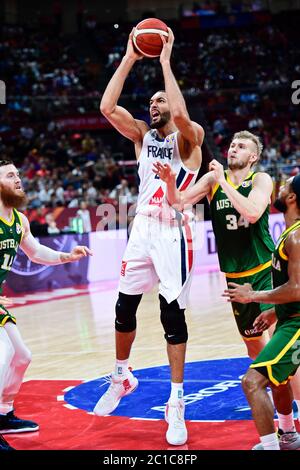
[[73, 338]]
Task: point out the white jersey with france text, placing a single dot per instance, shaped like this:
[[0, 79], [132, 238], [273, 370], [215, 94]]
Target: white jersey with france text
[[151, 189]]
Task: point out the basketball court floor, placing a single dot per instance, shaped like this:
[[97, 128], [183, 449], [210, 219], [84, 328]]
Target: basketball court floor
[[71, 335]]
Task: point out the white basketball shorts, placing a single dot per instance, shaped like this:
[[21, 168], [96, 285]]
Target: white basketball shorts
[[158, 252]]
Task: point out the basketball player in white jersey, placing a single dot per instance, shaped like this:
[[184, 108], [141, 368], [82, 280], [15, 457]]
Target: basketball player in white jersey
[[160, 244]]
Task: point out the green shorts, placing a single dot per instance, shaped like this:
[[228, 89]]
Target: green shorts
[[245, 314], [280, 358], [5, 316]]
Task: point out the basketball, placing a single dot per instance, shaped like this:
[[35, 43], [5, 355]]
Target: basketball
[[146, 37]]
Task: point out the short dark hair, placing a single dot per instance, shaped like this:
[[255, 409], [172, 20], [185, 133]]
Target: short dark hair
[[158, 91], [6, 162], [295, 187]]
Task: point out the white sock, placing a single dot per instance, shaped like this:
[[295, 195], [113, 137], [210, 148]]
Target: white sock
[[286, 422], [121, 367], [5, 409], [270, 441], [176, 391]]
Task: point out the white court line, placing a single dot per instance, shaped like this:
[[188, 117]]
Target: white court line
[[206, 420], [145, 419], [70, 407], [68, 388]]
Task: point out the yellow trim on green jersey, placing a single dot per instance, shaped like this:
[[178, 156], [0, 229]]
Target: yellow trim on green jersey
[[280, 355], [234, 185], [250, 272], [6, 318], [216, 186], [253, 338], [21, 223], [292, 227], [273, 380], [214, 190], [280, 272], [283, 238], [280, 250], [10, 224]]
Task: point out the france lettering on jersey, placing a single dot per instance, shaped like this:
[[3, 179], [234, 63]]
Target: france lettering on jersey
[[152, 190]]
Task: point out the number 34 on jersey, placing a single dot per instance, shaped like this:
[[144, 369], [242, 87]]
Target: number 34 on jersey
[[234, 222]]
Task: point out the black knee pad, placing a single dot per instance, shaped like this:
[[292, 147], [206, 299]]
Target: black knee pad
[[173, 320], [126, 308]]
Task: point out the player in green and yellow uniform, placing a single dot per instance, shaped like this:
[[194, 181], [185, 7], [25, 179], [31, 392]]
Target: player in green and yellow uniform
[[15, 356], [10, 238], [244, 250], [239, 201], [280, 358]]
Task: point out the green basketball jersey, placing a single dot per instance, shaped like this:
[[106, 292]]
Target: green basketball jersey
[[10, 237], [241, 246], [280, 273]]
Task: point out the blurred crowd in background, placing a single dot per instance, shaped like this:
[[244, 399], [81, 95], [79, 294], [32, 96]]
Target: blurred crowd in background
[[232, 79]]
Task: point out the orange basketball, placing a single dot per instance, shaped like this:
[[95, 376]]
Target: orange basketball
[[146, 37]]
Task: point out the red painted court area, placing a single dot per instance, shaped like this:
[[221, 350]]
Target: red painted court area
[[62, 428]]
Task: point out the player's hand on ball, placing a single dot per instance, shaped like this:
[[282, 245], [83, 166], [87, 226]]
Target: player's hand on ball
[[131, 52], [166, 52]]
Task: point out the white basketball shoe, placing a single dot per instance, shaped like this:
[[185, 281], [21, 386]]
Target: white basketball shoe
[[174, 415], [119, 387]]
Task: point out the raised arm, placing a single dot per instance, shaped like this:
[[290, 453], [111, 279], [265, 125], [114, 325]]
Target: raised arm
[[179, 200], [191, 134], [253, 206], [42, 254], [118, 116]]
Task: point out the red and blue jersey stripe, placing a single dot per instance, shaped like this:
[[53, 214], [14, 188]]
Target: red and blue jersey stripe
[[186, 245], [183, 179]]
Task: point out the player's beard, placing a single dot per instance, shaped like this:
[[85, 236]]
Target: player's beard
[[11, 198], [164, 119], [237, 165], [280, 205]]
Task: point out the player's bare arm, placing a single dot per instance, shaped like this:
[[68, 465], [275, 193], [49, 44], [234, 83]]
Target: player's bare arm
[[179, 199], [191, 134], [5, 301], [119, 117], [253, 206], [42, 254], [288, 292]]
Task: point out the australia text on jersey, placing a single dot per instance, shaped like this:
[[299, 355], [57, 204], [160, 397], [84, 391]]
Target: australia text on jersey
[[9, 243], [223, 204]]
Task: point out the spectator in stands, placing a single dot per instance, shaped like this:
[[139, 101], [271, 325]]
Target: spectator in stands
[[51, 224], [133, 196], [121, 192], [88, 144], [255, 124], [84, 213]]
